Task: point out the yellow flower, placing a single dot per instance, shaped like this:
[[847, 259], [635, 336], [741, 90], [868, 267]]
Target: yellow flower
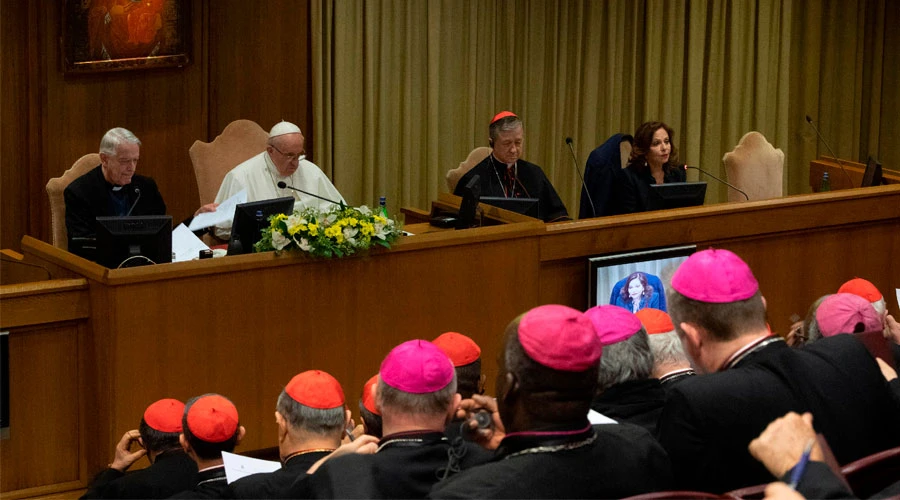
[[353, 221], [366, 228], [380, 219], [313, 229], [297, 228], [278, 218]]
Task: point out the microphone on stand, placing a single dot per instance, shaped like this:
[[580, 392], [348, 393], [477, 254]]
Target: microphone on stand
[[569, 141], [137, 191], [732, 186], [283, 185], [839, 162]]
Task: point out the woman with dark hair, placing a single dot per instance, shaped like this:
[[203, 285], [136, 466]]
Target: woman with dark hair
[[637, 293], [654, 160]]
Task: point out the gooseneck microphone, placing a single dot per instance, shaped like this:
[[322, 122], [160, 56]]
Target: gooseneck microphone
[[839, 162], [732, 186], [569, 141], [137, 191], [283, 185]]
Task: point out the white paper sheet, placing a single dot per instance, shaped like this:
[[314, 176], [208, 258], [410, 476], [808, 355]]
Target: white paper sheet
[[224, 213], [185, 244], [238, 466], [597, 418]]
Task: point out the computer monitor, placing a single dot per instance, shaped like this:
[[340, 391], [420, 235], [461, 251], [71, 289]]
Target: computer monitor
[[609, 276], [525, 206], [676, 195], [134, 240], [251, 218], [471, 193], [872, 175]]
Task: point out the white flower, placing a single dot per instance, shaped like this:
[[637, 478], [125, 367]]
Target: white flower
[[365, 210], [379, 231], [295, 220], [349, 235], [279, 240], [304, 244], [329, 220]]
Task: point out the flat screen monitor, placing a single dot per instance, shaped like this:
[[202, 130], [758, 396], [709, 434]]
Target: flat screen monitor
[[676, 195], [872, 175], [525, 206], [251, 218], [471, 193], [134, 240], [634, 280]]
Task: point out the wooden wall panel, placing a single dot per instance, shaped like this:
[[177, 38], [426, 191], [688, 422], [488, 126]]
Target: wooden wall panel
[[259, 64]]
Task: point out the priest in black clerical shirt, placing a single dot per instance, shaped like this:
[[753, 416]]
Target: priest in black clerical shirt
[[504, 174]]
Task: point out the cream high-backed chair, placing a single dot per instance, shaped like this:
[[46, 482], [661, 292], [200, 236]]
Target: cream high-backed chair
[[55, 188], [756, 167], [240, 141], [475, 157]]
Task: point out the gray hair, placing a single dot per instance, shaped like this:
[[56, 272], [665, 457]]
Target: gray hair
[[114, 137], [429, 403], [627, 360], [504, 124], [301, 417], [667, 349], [810, 327]]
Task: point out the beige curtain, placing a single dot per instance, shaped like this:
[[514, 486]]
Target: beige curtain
[[404, 89]]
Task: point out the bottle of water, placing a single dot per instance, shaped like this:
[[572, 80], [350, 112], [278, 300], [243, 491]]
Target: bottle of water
[[826, 183], [382, 207]]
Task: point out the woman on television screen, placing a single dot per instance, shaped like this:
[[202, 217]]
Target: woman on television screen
[[654, 160], [637, 293]]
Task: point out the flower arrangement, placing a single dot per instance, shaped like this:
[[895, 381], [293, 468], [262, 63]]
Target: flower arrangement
[[337, 232]]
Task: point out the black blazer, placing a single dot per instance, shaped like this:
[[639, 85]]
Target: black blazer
[[173, 471], [709, 420]]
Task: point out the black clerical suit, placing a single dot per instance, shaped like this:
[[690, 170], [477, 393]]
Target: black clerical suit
[[211, 483], [406, 465], [91, 196], [171, 472], [709, 420], [273, 484], [637, 402], [525, 180], [601, 461]]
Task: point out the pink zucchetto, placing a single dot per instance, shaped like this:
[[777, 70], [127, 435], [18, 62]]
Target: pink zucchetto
[[417, 367], [613, 323], [716, 276], [284, 128], [560, 338], [842, 312]]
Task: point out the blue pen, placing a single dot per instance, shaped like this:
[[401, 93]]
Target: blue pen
[[800, 468]]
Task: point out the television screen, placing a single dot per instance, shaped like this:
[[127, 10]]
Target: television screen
[[676, 195], [634, 280], [133, 241], [251, 218], [525, 206], [872, 175]]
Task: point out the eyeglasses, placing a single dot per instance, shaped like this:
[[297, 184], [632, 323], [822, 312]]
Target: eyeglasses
[[290, 156]]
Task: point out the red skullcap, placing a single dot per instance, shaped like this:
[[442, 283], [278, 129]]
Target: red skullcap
[[613, 324], [501, 115], [863, 288], [417, 367], [560, 338], [165, 415], [655, 321], [368, 395], [316, 389], [715, 276], [460, 349], [212, 418]]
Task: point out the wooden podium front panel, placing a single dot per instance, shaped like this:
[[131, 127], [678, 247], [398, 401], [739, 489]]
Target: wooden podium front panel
[[244, 334]]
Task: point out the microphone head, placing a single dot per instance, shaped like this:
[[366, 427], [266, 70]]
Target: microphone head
[[808, 119], [137, 190], [569, 140], [282, 185]]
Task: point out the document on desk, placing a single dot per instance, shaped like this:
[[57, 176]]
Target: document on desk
[[185, 244], [224, 213], [238, 466]]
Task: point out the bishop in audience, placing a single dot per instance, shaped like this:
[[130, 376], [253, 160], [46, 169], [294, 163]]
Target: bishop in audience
[[210, 425], [170, 470], [752, 377], [368, 411], [504, 174], [311, 419], [670, 364], [545, 446], [283, 163]]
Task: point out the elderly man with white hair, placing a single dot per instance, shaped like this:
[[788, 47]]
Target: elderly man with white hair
[[670, 363], [283, 163]]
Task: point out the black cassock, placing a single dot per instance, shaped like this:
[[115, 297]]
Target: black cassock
[[273, 484], [171, 472]]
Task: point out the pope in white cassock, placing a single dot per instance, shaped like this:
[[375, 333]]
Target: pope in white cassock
[[283, 160]]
